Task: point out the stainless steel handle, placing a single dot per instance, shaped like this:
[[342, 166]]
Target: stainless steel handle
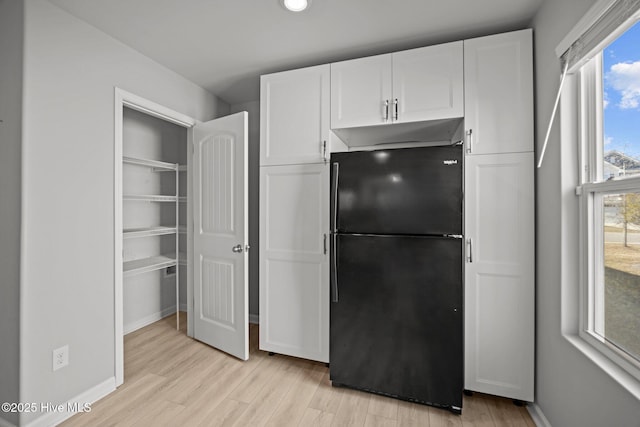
[[324, 243], [336, 173], [395, 109], [324, 151], [469, 141], [385, 110], [334, 261], [237, 249], [469, 250]]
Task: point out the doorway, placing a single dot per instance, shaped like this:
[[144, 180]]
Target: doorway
[[169, 218]]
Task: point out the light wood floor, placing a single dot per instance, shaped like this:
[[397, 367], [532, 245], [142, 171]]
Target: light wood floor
[[173, 380]]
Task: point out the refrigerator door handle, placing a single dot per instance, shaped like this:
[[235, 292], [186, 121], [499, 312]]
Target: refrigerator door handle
[[336, 172], [469, 250], [334, 261]]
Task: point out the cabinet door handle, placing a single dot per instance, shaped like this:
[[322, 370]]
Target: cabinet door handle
[[385, 110], [395, 109], [469, 250], [324, 243], [469, 141], [324, 150]]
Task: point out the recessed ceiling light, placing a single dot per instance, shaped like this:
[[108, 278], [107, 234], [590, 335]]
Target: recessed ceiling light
[[297, 5]]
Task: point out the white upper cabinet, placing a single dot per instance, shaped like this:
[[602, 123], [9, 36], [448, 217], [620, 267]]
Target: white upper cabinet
[[428, 83], [359, 90], [403, 87], [498, 80], [294, 116]]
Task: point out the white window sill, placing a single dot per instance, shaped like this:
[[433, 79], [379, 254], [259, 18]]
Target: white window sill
[[622, 377]]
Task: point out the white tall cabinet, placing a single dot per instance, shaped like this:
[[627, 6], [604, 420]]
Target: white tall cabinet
[[499, 216], [294, 212]]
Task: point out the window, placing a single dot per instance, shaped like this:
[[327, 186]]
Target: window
[[609, 134]]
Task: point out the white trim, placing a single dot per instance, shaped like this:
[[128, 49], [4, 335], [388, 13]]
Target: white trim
[[622, 377], [88, 397], [122, 99], [576, 321], [590, 18], [537, 415], [156, 110]]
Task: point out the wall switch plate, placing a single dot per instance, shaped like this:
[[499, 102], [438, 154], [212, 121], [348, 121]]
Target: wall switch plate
[[60, 357]]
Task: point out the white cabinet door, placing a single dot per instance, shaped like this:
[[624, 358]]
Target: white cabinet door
[[403, 87], [294, 116], [220, 234], [359, 90], [498, 74], [499, 275], [428, 83], [294, 269]]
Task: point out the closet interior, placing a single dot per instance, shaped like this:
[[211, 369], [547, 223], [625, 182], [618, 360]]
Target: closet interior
[[154, 218]]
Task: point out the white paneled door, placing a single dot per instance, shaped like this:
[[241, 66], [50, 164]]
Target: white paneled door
[[499, 275], [220, 234], [294, 268]]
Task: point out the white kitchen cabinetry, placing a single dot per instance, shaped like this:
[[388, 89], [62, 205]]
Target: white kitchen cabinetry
[[294, 125], [295, 145], [294, 269], [401, 87], [499, 275], [499, 216], [498, 92]]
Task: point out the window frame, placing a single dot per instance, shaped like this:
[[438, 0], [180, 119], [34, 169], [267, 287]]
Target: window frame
[[591, 190]]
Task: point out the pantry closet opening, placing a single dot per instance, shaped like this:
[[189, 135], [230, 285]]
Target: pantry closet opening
[[171, 258], [152, 205]]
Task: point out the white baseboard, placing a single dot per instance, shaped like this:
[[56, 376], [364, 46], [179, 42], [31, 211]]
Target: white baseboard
[[141, 323], [79, 403], [537, 415], [254, 318]]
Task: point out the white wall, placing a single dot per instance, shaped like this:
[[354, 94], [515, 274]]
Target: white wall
[[11, 44], [253, 108], [67, 286], [570, 389]]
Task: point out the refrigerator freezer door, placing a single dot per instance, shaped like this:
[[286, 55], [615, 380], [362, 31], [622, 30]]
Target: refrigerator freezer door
[[396, 327], [400, 191]]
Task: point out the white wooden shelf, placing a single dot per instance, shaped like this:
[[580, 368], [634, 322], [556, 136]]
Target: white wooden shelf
[[148, 231], [145, 265]]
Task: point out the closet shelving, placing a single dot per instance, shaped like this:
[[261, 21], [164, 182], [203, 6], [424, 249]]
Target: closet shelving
[[165, 260]]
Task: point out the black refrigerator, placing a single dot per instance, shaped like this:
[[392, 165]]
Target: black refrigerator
[[396, 273]]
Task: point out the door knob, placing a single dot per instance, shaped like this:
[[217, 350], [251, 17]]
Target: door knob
[[237, 248]]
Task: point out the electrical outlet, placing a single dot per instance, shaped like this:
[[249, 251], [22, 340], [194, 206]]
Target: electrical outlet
[[60, 357]]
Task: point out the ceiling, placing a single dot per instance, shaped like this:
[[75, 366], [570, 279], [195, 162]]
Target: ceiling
[[224, 45]]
